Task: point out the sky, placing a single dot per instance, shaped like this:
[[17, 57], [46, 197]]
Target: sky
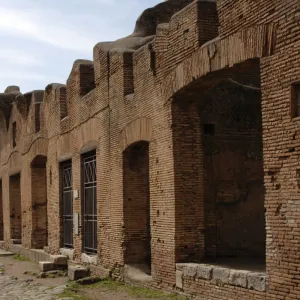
[[40, 39]]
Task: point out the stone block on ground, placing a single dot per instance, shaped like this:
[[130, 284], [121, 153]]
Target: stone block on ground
[[89, 280], [77, 272], [59, 260], [46, 266]]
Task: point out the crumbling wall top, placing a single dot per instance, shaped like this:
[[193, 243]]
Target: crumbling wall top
[[145, 28], [12, 89]]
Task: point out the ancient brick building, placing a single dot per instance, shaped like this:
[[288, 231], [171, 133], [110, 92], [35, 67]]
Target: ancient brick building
[[175, 151]]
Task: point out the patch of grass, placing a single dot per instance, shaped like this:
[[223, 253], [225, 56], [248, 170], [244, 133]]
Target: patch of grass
[[20, 257], [73, 291], [30, 273], [78, 291], [138, 292], [141, 292]]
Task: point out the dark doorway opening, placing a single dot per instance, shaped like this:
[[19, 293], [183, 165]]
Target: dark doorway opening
[[39, 203], [136, 203], [219, 175], [15, 208]]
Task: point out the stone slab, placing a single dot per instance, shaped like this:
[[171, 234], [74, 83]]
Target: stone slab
[[238, 278], [204, 272], [89, 259], [257, 282], [220, 275], [69, 253], [4, 253], [179, 281], [77, 272], [59, 260], [46, 266]]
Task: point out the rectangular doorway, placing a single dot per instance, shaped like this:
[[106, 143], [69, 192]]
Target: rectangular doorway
[[15, 208]]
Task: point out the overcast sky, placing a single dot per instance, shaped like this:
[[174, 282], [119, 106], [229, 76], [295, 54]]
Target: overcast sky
[[40, 39]]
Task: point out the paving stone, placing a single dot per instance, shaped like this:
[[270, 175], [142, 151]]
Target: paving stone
[[14, 289]]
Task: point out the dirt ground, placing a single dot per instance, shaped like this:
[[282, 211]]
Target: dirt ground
[[25, 270]]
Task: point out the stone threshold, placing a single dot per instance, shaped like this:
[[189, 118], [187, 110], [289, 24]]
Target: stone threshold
[[220, 276], [35, 255]]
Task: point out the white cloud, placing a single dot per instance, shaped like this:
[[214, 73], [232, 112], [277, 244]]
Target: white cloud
[[40, 39], [19, 57], [20, 75], [55, 33]]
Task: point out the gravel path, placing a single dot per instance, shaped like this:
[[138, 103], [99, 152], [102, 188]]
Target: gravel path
[[13, 289]]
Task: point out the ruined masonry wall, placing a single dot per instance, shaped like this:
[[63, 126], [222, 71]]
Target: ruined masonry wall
[[101, 108]]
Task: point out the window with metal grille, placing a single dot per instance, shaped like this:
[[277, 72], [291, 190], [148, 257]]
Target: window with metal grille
[[295, 100], [89, 205], [14, 134], [67, 204], [37, 117]]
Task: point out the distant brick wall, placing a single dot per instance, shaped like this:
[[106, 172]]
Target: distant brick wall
[[167, 93]]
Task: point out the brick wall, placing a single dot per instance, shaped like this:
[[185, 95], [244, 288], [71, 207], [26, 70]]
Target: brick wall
[[150, 94]]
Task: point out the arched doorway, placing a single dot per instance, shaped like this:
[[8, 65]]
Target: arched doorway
[[39, 202], [136, 204], [219, 175]]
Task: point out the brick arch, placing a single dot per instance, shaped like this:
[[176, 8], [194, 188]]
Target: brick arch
[[138, 130], [14, 162], [38, 147], [89, 146], [220, 54]]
